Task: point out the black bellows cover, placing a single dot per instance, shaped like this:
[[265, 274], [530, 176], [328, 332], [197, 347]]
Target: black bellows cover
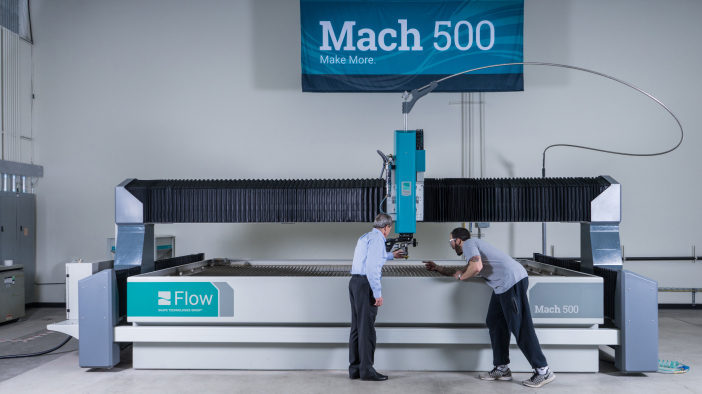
[[558, 262], [610, 288], [178, 261], [510, 199], [258, 201], [122, 275]]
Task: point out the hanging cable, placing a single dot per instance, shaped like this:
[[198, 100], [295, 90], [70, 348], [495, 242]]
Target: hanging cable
[[543, 169], [36, 354]]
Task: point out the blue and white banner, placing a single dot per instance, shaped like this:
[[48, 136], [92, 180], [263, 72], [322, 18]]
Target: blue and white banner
[[393, 46]]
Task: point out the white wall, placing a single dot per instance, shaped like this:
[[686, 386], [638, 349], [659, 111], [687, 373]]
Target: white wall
[[192, 89]]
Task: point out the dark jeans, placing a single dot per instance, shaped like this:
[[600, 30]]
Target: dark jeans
[[362, 339], [509, 312]]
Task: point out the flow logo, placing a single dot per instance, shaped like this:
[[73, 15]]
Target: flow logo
[[194, 299], [406, 188], [164, 298]]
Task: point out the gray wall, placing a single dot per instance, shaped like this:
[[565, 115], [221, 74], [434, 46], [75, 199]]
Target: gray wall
[[211, 89]]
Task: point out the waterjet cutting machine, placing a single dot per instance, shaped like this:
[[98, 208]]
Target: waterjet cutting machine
[[197, 313]]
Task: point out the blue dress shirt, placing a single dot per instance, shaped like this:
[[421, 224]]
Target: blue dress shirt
[[369, 258]]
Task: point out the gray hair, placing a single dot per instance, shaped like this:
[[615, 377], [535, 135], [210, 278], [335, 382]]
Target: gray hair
[[382, 220]]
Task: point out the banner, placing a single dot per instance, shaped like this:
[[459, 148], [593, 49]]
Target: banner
[[395, 46]]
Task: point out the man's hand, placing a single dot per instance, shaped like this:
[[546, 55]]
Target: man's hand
[[398, 254], [432, 266], [379, 301], [457, 274]]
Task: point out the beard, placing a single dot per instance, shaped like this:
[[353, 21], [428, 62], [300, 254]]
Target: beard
[[459, 250]]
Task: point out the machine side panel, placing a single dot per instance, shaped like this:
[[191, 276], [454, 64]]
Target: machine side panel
[[98, 306], [636, 315], [74, 273]]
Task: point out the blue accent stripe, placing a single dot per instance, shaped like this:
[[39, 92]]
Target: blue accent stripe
[[401, 83]]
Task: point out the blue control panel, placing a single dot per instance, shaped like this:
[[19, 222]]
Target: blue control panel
[[405, 180]]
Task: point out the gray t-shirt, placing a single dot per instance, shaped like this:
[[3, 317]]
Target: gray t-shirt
[[500, 271]]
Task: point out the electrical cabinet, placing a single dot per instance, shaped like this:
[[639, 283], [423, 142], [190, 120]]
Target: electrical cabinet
[[11, 293], [18, 235]]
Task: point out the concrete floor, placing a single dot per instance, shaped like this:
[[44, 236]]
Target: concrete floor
[[33, 323], [680, 331]]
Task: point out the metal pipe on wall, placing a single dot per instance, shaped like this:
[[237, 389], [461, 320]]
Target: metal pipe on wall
[[483, 168], [630, 259], [467, 138], [543, 238], [470, 135], [464, 136], [675, 258], [467, 134], [482, 134]]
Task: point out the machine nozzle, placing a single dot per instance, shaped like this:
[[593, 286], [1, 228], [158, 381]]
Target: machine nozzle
[[402, 242]]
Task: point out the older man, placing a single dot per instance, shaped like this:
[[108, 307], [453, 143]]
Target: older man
[[509, 310], [366, 297]]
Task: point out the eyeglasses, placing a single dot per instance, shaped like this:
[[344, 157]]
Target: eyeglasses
[[451, 241]]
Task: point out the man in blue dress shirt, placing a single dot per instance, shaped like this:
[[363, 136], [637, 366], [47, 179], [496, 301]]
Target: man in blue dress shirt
[[366, 297]]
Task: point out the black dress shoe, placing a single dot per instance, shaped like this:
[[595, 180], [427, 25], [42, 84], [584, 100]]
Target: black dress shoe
[[376, 378], [354, 376]]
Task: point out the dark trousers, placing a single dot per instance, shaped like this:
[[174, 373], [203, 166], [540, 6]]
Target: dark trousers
[[362, 339], [510, 312]]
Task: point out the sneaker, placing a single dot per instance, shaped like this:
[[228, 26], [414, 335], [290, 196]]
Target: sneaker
[[496, 374], [537, 380]]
